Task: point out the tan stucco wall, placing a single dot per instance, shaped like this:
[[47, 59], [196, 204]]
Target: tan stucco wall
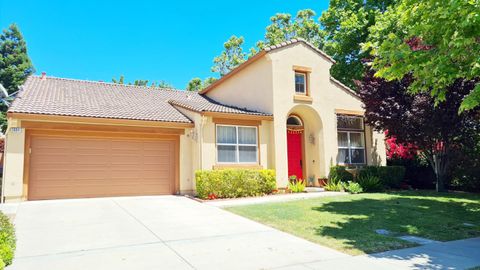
[[319, 115], [13, 163], [250, 88], [198, 148], [320, 136]]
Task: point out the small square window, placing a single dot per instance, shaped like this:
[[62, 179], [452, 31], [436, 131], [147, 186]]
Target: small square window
[[300, 83]]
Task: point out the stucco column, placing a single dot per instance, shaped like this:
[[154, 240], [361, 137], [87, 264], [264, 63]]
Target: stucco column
[[13, 164], [281, 154]]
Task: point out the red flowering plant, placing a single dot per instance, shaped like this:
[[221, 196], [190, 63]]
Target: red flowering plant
[[399, 150]]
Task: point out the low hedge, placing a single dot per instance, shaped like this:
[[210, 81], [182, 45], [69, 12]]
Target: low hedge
[[340, 173], [390, 176], [7, 241], [234, 183]]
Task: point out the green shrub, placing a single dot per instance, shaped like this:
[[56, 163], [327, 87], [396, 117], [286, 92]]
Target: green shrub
[[340, 173], [296, 186], [390, 176], [334, 184], [234, 183], [7, 240], [369, 182], [353, 187]]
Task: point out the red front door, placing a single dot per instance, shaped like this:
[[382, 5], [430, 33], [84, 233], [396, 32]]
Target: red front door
[[294, 149]]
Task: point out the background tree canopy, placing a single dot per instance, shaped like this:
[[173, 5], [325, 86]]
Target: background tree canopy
[[160, 84], [15, 65], [437, 42], [346, 25]]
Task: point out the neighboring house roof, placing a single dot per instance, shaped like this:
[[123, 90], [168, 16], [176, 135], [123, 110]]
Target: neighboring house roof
[[69, 97], [262, 53]]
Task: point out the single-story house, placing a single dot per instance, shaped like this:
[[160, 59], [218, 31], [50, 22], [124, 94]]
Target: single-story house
[[279, 110]]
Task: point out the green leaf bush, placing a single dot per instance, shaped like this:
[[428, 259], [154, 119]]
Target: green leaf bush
[[7, 241], [334, 184], [234, 183], [340, 173], [353, 187], [390, 176], [370, 182], [297, 185]]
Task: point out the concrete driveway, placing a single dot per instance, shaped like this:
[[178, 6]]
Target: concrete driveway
[[162, 232]]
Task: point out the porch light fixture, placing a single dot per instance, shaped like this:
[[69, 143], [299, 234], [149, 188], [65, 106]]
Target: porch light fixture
[[193, 134]]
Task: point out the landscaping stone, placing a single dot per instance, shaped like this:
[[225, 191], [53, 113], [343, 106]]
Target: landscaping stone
[[418, 240], [468, 224], [382, 232]]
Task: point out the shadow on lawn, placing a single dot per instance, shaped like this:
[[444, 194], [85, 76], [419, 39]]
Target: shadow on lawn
[[434, 218]]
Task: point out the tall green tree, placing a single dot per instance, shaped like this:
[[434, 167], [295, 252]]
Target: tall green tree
[[437, 42], [160, 84], [283, 28], [346, 25], [121, 80], [231, 57], [196, 84], [15, 65]]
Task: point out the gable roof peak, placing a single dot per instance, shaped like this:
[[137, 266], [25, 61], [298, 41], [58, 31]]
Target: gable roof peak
[[261, 53], [299, 40]]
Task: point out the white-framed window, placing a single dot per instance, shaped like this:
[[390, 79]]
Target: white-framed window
[[300, 83], [237, 144], [351, 140]]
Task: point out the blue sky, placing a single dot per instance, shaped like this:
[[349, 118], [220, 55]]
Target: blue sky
[[153, 40]]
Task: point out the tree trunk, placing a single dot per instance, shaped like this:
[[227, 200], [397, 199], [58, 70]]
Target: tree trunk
[[439, 161]]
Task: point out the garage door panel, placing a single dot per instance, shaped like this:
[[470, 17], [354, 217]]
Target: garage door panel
[[79, 167]]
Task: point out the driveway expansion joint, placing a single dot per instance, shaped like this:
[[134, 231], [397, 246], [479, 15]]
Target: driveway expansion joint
[[152, 232]]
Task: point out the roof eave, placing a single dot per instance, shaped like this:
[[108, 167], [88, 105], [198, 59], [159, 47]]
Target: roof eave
[[226, 114], [97, 120], [233, 72]]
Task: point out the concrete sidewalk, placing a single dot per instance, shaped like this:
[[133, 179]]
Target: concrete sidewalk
[[461, 254]]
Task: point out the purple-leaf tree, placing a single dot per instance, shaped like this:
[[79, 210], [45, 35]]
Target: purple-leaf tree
[[437, 130]]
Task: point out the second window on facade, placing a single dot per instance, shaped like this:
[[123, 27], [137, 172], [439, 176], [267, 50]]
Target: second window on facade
[[237, 144], [351, 140]]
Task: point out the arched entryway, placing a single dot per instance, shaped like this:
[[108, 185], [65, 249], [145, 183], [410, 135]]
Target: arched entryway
[[295, 151]]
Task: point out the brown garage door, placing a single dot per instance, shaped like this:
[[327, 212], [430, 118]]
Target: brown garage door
[[79, 167]]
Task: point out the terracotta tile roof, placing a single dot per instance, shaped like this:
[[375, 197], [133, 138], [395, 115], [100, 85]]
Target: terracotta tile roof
[[297, 40], [68, 97], [205, 104]]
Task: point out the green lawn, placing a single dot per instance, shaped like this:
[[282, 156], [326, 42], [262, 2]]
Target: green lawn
[[348, 223]]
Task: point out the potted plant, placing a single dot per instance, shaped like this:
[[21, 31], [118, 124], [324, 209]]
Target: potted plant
[[322, 181]]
